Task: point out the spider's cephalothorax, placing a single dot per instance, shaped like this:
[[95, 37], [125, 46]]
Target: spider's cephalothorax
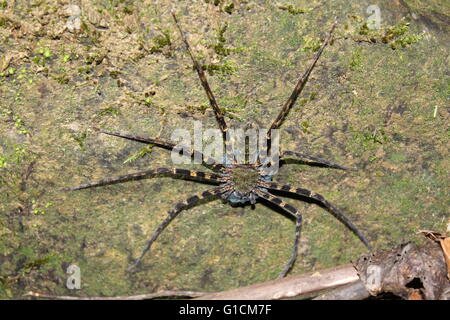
[[242, 182], [236, 183]]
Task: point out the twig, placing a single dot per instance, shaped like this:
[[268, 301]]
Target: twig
[[354, 291], [292, 286], [160, 294]]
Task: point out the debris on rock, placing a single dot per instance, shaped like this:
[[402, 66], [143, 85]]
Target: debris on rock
[[408, 271]]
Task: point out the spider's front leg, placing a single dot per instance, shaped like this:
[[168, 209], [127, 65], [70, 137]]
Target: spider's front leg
[[314, 159], [172, 215], [298, 87], [168, 145], [298, 224], [220, 117], [202, 176]]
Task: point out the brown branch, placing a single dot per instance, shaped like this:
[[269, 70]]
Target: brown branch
[[353, 291], [159, 294], [292, 286]]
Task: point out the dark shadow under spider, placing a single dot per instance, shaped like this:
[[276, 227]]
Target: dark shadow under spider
[[236, 183]]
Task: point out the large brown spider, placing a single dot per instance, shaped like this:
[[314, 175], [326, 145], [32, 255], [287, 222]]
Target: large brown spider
[[237, 183]]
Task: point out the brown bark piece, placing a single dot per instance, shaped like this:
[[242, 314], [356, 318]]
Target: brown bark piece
[[445, 244], [407, 271]]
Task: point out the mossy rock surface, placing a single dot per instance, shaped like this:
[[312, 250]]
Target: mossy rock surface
[[377, 100]]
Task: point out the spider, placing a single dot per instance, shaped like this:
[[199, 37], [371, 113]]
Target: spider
[[235, 183]]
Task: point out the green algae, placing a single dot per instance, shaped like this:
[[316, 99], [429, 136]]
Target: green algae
[[365, 105]]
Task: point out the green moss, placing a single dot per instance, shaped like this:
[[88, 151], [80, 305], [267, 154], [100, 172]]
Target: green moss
[[398, 157], [406, 41], [368, 139], [291, 9], [229, 8], [311, 44], [219, 47], [11, 117], [80, 139], [223, 69], [356, 60], [3, 162], [402, 188], [144, 151], [161, 41], [109, 111], [43, 56], [396, 36]]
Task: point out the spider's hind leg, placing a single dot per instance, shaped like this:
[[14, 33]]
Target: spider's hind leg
[[318, 197], [298, 224], [172, 215]]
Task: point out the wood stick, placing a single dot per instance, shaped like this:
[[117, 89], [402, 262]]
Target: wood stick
[[353, 291], [159, 294], [289, 287]]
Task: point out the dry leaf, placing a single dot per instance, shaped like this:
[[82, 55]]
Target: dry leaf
[[445, 244], [415, 295]]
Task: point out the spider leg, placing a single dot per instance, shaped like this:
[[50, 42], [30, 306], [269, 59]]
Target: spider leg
[[298, 224], [315, 159], [201, 74], [172, 214], [202, 176], [299, 86], [168, 145], [332, 209], [212, 100], [157, 142]]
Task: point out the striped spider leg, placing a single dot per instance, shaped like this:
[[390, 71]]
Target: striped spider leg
[[313, 159], [291, 102], [165, 144], [322, 201], [172, 214], [212, 100], [298, 224], [174, 172]]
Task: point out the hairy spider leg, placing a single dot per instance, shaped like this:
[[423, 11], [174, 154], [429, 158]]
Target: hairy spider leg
[[172, 214], [201, 176], [169, 145], [298, 224], [314, 159], [212, 100], [298, 88], [332, 209]]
